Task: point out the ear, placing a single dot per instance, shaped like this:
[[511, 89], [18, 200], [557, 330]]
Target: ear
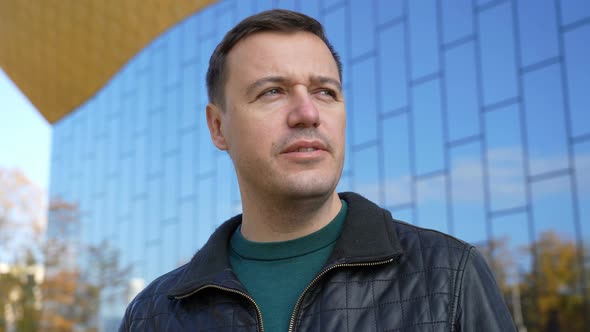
[[214, 123]]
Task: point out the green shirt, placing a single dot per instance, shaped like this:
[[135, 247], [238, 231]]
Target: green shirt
[[276, 273]]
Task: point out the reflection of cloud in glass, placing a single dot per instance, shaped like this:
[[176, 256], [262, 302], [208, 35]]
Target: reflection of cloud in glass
[[503, 163]]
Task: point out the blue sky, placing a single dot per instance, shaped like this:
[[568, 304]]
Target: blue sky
[[25, 136]]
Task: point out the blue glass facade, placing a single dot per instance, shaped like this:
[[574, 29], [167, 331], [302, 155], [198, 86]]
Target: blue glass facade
[[470, 117]]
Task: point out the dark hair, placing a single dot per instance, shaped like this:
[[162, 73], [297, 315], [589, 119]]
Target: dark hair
[[279, 20]]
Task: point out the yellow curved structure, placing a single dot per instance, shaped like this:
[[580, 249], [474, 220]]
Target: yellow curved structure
[[61, 52]]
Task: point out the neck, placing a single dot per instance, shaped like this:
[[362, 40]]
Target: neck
[[276, 219]]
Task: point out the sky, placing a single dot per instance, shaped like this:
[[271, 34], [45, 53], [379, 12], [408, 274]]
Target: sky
[[25, 136]]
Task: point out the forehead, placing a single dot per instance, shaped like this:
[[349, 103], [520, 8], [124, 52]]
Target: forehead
[[297, 55]]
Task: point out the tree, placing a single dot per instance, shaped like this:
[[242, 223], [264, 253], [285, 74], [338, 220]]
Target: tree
[[22, 221], [77, 274], [22, 214], [501, 261], [50, 280], [553, 296]]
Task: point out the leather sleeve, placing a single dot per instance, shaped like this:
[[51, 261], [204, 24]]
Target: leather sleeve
[[124, 326], [481, 306]]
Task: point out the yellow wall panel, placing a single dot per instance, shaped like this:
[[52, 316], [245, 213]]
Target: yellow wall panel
[[61, 52]]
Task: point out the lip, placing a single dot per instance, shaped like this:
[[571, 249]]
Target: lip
[[317, 145]]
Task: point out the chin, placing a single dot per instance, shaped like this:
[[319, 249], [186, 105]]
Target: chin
[[310, 187]]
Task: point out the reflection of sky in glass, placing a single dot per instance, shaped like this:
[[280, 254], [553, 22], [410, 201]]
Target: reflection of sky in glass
[[582, 165], [552, 206], [497, 45], [577, 53], [461, 119], [428, 127], [537, 18], [423, 38], [363, 102], [546, 128], [393, 80], [505, 158], [457, 19], [573, 11], [467, 193], [366, 174], [431, 204], [461, 92], [362, 40], [396, 161]]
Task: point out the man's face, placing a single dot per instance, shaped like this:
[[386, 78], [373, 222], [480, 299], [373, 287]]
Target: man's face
[[284, 118]]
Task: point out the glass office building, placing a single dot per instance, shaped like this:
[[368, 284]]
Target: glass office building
[[469, 117]]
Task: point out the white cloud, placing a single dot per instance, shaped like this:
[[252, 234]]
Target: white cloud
[[505, 174]]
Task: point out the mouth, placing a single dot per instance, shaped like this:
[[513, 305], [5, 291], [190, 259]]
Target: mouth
[[305, 147]]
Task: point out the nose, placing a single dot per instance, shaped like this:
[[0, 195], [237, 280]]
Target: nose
[[303, 112]]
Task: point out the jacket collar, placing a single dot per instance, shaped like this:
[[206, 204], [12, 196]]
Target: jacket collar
[[368, 235]]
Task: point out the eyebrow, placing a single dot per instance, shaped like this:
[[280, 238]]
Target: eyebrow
[[282, 80]]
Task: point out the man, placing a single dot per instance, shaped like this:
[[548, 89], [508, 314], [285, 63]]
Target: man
[[302, 257]]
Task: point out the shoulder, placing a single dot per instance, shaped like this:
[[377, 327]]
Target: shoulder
[[431, 248], [153, 300]]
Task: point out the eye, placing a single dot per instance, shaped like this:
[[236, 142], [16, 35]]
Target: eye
[[271, 92], [327, 93]]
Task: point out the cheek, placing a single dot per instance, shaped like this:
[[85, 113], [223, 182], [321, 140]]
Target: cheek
[[249, 139]]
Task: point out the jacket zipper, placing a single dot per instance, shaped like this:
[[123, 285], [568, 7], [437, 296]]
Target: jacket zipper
[[231, 290], [292, 321]]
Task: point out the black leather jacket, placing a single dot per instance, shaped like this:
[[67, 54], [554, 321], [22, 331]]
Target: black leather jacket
[[384, 275]]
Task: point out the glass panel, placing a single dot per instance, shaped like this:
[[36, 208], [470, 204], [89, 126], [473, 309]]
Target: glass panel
[[457, 17], [169, 256], [582, 171], [205, 211], [467, 193], [155, 144], [362, 28], [392, 70], [170, 188], [405, 215], [128, 114], [188, 163], [552, 206], [171, 118], [335, 25], [224, 172], [510, 235], [140, 166], [173, 55], [187, 217], [461, 92], [538, 31], [206, 149], [190, 111], [428, 127], [190, 45], [142, 91], [498, 64], [431, 203], [154, 210], [505, 159], [574, 10], [330, 3], [311, 8], [577, 53], [363, 107], [389, 10], [366, 173], [545, 122], [423, 38], [396, 161]]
